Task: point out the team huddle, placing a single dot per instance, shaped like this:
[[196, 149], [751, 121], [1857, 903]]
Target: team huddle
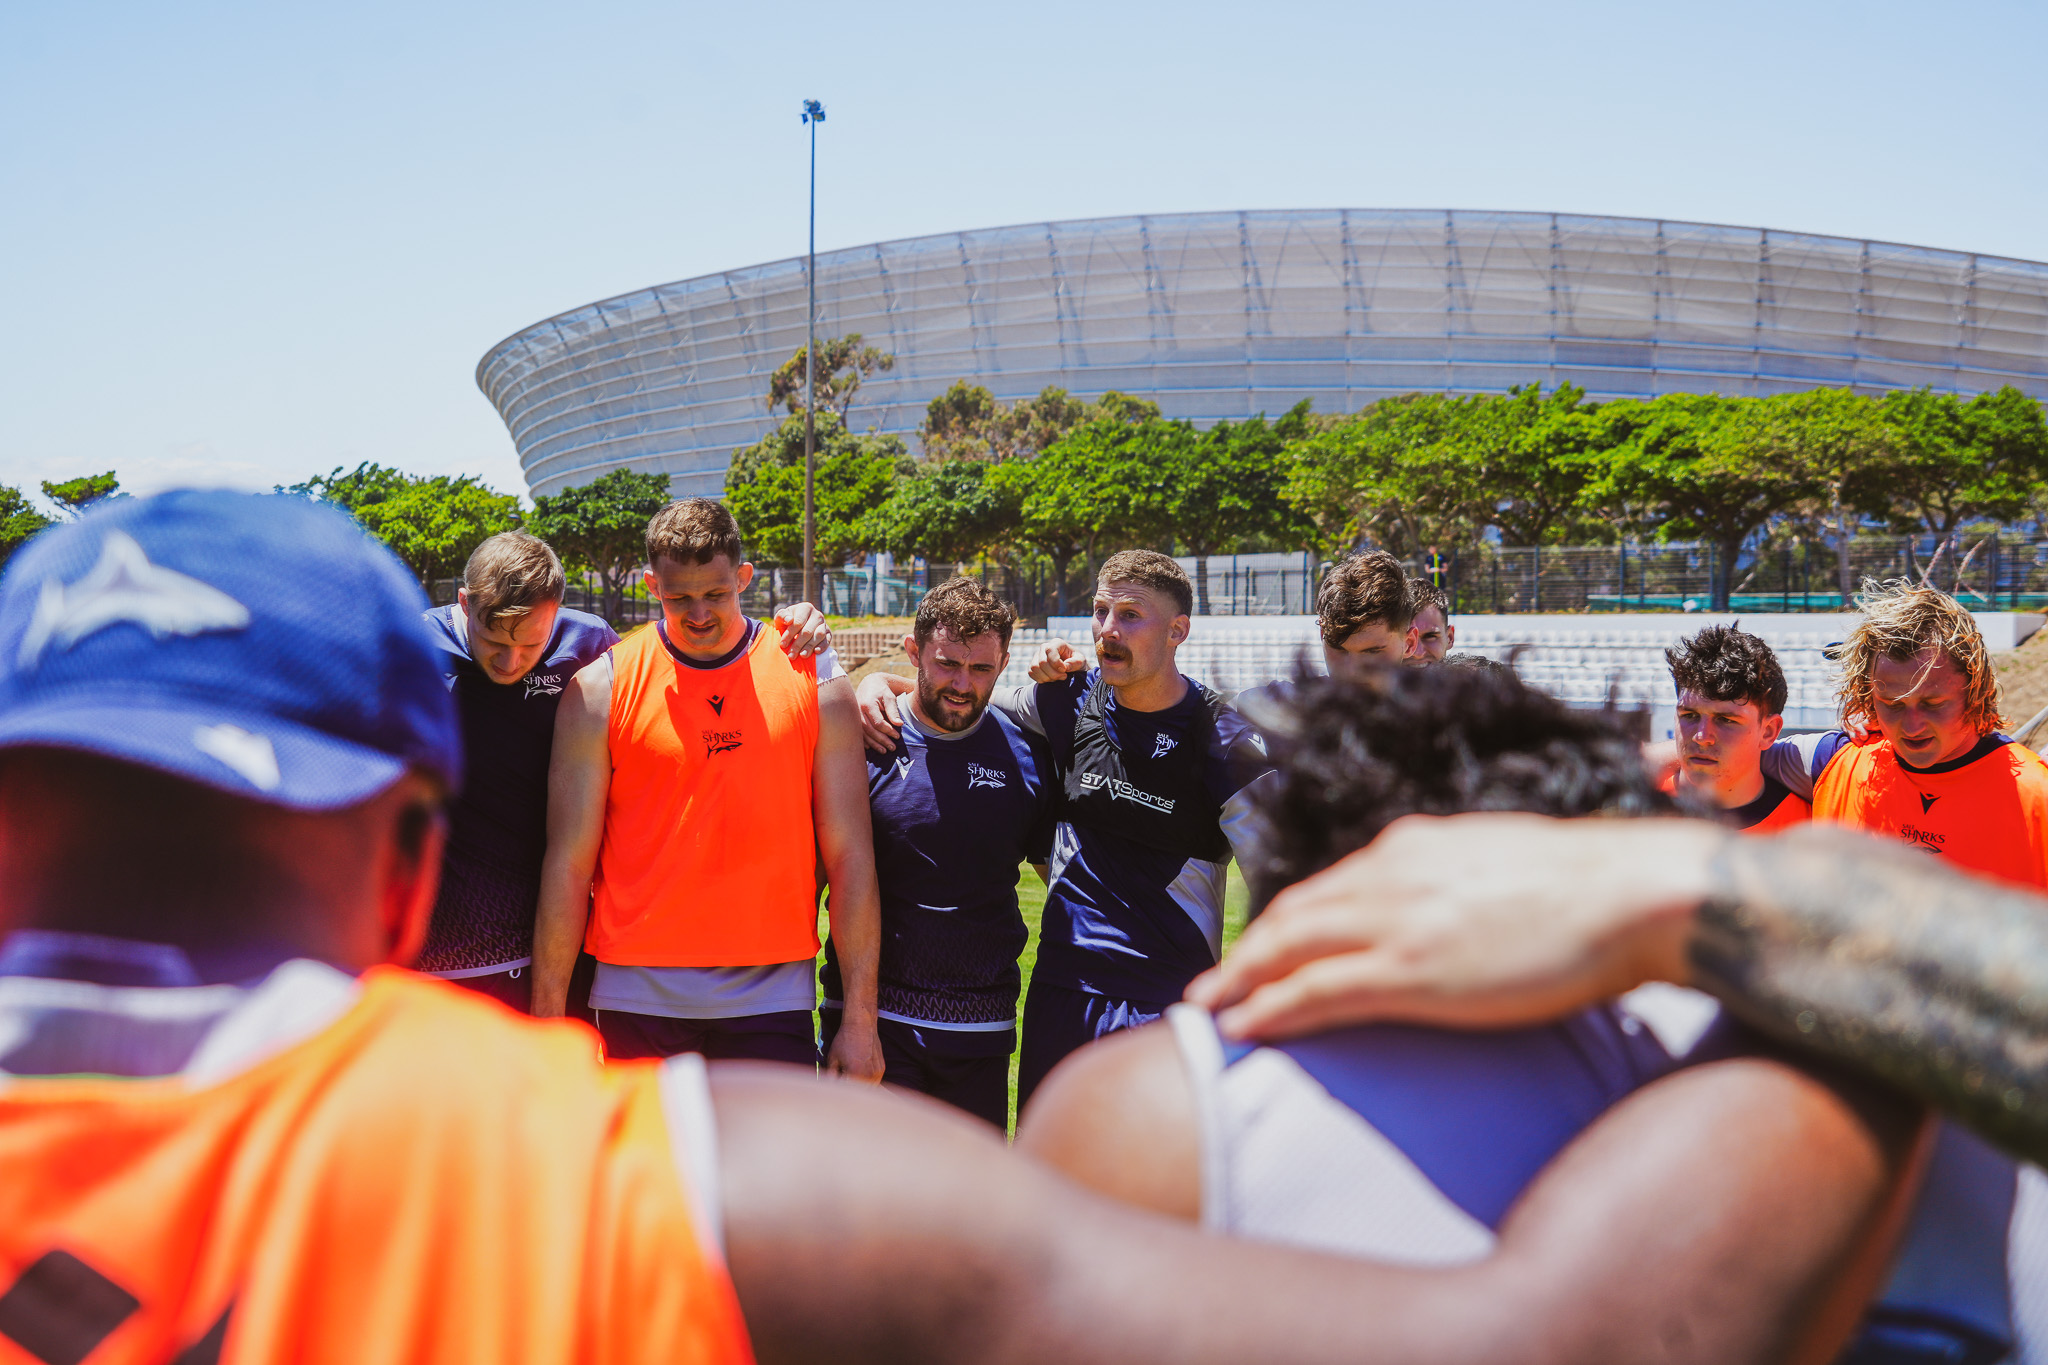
[[1485, 1079]]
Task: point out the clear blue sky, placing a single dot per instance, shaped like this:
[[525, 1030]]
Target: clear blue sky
[[243, 243]]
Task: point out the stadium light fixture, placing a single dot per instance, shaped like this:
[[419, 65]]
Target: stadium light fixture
[[814, 114]]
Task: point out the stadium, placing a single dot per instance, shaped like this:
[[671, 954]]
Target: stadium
[[1222, 315]]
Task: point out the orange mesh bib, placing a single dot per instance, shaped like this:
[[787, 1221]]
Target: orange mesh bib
[[1989, 817], [709, 858], [430, 1179]]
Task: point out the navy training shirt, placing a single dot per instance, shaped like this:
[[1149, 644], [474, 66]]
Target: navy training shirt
[[498, 826], [1124, 919], [954, 817]]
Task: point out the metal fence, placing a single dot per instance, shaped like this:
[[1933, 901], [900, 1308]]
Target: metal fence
[[1988, 573]]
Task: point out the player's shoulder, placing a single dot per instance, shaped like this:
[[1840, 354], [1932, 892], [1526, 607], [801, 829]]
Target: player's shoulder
[[444, 628], [579, 637], [444, 1037]]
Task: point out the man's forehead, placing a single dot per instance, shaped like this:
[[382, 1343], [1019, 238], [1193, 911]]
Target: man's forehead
[[720, 572], [1690, 700], [986, 643], [1931, 670], [527, 628], [1136, 594]]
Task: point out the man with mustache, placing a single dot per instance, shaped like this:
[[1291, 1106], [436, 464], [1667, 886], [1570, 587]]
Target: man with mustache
[[1154, 767], [962, 798]]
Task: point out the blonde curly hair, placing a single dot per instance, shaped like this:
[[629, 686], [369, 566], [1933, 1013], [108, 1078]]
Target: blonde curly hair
[[1901, 618]]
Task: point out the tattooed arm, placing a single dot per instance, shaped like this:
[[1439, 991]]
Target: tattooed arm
[[1858, 950]]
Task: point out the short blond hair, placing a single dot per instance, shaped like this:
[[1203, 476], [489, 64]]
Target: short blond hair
[[509, 575], [694, 531], [1900, 619]]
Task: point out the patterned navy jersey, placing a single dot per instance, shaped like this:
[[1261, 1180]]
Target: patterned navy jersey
[[1124, 918], [498, 826], [954, 816]]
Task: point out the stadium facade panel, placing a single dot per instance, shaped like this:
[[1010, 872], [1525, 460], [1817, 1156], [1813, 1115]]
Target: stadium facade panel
[[1223, 315]]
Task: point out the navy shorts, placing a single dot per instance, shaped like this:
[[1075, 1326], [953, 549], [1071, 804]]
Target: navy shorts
[[783, 1036], [961, 1068], [1057, 1020]]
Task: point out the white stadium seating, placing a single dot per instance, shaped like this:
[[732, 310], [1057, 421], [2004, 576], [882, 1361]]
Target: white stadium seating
[[1582, 659]]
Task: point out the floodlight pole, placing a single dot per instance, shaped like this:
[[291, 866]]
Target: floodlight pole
[[814, 114]]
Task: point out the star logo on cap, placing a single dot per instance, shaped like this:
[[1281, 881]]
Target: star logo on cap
[[124, 588]]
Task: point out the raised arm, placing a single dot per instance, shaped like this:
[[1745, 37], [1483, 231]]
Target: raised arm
[[846, 847], [1837, 943], [873, 1228], [579, 779]]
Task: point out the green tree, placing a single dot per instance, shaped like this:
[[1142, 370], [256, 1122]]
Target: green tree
[[354, 489], [1522, 460], [433, 524], [1107, 481], [1680, 468], [969, 422], [1833, 441], [601, 528], [1392, 472], [19, 520], [75, 495], [764, 486], [1957, 460], [1226, 489], [843, 364], [948, 511]]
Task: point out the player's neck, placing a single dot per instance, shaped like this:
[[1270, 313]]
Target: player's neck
[[728, 640], [1738, 792], [1158, 692]]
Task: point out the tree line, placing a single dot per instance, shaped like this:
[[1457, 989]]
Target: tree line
[[1055, 482], [1059, 479]]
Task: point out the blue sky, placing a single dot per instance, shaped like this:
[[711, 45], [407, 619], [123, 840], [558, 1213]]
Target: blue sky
[[245, 243]]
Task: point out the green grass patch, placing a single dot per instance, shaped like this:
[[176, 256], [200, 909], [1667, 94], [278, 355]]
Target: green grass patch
[[1031, 900]]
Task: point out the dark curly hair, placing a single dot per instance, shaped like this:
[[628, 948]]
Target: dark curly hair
[[1722, 663], [1354, 755]]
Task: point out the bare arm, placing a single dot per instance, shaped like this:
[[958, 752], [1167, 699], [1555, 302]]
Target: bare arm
[[579, 778], [884, 1228], [1832, 941], [1666, 1213], [846, 847]]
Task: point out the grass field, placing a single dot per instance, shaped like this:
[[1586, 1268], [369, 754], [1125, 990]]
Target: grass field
[[1031, 900]]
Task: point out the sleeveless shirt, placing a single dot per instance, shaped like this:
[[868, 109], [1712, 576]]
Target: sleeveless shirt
[[709, 856]]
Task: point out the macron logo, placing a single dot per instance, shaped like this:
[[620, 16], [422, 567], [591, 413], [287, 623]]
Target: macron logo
[[124, 588], [978, 776]]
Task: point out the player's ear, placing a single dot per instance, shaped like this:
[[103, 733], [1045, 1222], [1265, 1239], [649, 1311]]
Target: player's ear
[[745, 576], [1178, 631], [1769, 731], [412, 867], [910, 649]]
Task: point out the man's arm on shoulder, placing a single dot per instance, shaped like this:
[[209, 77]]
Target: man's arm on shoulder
[[579, 779], [1665, 1221], [1799, 760], [839, 812]]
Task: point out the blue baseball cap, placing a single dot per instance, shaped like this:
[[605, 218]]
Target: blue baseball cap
[[260, 644]]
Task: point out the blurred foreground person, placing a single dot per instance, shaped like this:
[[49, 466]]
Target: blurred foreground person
[[1731, 709], [1416, 1145], [229, 1132]]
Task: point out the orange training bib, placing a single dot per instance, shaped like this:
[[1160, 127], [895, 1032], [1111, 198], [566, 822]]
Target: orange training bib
[[709, 856], [429, 1179], [1989, 817]]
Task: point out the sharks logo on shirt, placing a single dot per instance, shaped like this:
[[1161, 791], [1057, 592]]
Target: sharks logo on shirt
[[543, 684], [1163, 745], [978, 776]]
